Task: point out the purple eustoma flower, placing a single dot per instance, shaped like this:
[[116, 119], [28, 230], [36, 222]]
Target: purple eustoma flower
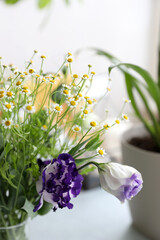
[[122, 181], [59, 182]]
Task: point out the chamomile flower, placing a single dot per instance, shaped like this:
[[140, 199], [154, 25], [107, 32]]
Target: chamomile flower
[[7, 123], [52, 81], [85, 111], [57, 108], [18, 83], [25, 89], [2, 93], [9, 94], [90, 102], [126, 100], [31, 71], [69, 60], [72, 103], [29, 108], [8, 106], [76, 128], [75, 75], [106, 126], [93, 124], [65, 92], [101, 152], [44, 128], [117, 121], [125, 117]]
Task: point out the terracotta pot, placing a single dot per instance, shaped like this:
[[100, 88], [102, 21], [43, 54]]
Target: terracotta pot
[[145, 207]]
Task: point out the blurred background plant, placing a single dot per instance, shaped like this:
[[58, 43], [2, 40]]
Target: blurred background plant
[[40, 3], [141, 87]]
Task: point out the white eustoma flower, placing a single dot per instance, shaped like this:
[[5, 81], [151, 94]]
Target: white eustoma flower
[[122, 181]]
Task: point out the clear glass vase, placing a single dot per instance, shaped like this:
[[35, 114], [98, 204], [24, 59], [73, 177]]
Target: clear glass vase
[[16, 232]]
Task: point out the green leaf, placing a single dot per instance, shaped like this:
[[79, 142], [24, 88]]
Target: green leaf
[[11, 1], [46, 208], [28, 207], [87, 170], [91, 142], [43, 3]]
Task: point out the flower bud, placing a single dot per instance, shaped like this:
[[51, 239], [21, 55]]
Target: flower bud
[[122, 181]]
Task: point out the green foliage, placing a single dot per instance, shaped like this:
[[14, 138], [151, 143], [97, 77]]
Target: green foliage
[[11, 1], [139, 81], [43, 3]]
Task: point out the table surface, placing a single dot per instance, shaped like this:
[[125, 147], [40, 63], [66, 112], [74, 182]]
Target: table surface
[[96, 215]]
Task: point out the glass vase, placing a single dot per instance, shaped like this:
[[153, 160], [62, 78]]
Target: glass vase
[[16, 232]]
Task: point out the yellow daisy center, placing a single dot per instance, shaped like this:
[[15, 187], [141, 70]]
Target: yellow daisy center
[[117, 121], [75, 75], [125, 117], [44, 126], [7, 123], [1, 95], [85, 111], [43, 56], [69, 60], [1, 91], [101, 152], [29, 107], [77, 129], [86, 97], [18, 83], [58, 108], [31, 70], [93, 124], [80, 94], [8, 106], [66, 91], [85, 76], [9, 94], [73, 103], [89, 102], [25, 87], [25, 91], [52, 81]]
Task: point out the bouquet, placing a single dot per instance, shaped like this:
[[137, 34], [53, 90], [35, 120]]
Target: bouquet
[[48, 142]]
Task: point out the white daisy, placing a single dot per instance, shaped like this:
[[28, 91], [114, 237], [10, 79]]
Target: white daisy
[[29, 108], [101, 152], [72, 103], [9, 94], [57, 108], [8, 106], [44, 128], [7, 123], [76, 128]]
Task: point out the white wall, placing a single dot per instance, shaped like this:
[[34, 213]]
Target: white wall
[[126, 28]]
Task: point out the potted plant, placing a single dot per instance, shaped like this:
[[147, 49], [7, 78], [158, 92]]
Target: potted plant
[[141, 144]]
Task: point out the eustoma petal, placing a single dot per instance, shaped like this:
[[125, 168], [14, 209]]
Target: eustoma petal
[[59, 182], [122, 181]]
